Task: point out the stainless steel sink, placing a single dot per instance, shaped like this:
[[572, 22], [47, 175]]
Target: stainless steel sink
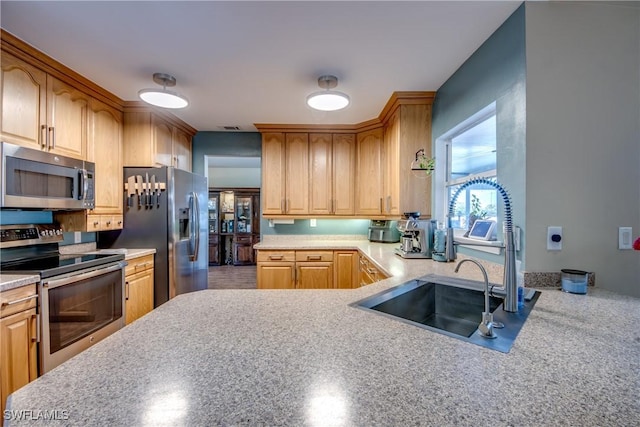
[[449, 306]]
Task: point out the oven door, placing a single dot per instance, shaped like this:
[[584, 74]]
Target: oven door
[[33, 179], [78, 310]]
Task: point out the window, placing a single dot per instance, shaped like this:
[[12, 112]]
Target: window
[[470, 152]]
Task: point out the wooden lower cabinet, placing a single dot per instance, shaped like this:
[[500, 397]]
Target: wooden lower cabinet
[[369, 273], [214, 249], [345, 269], [138, 288], [276, 270], [18, 335], [243, 250], [305, 269], [314, 269]]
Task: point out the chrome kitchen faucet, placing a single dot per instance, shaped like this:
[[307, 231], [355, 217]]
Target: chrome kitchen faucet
[[509, 284]]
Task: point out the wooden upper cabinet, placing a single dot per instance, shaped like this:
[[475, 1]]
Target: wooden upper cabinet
[[67, 112], [360, 171], [150, 140], [344, 174], [23, 103], [297, 173], [369, 173], [331, 173], [320, 173], [273, 173], [162, 142], [181, 149], [407, 131], [391, 168], [42, 112], [105, 150]]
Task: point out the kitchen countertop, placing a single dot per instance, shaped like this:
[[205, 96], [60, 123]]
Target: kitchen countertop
[[12, 281], [306, 358]]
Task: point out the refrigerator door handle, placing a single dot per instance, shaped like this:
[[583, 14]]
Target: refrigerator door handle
[[195, 220]]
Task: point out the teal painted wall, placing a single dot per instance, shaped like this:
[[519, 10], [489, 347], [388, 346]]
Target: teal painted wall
[[323, 227], [495, 72], [240, 144], [8, 217]]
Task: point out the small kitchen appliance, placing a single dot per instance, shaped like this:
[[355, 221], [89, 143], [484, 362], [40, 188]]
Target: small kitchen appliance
[[34, 179], [417, 237], [383, 231]]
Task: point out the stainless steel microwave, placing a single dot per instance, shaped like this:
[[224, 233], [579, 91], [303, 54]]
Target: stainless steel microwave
[[33, 179]]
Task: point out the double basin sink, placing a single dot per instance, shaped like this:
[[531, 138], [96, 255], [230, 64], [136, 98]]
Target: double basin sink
[[450, 306]]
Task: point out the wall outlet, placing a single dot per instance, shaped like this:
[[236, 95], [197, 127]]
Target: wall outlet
[[554, 238], [312, 222], [624, 237]]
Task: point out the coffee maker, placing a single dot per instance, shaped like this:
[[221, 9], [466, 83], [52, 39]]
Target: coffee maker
[[417, 236]]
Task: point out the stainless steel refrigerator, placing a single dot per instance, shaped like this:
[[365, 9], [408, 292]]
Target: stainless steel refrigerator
[[166, 209]]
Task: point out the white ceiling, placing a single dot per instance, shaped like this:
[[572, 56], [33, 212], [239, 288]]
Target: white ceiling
[[241, 62]]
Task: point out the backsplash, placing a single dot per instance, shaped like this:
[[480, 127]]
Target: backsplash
[[15, 217], [323, 227]]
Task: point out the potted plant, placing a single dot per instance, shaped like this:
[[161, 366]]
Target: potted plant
[[475, 213], [423, 164]]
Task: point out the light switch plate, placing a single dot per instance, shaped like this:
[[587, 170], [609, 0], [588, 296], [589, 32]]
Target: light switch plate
[[624, 237], [551, 244]]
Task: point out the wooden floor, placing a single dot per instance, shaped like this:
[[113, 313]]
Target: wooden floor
[[232, 277]]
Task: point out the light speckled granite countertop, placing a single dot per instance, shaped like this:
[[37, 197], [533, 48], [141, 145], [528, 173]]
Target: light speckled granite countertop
[[306, 358], [12, 281]]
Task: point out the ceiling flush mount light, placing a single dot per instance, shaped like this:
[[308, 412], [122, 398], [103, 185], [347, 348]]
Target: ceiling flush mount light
[[162, 97], [328, 100]]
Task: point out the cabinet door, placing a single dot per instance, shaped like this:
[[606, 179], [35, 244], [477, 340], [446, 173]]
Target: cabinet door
[[414, 191], [276, 275], [273, 173], [181, 150], [344, 174], [23, 106], [138, 295], [105, 150], [297, 173], [369, 173], [163, 142], [391, 162], [18, 356], [214, 249], [314, 275], [67, 113], [346, 269], [320, 173], [243, 253]]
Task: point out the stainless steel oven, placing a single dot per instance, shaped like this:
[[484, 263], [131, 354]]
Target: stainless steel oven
[[81, 296], [79, 309], [40, 180]]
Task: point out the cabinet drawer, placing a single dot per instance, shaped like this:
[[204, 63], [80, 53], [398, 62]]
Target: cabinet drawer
[[18, 299], [276, 256], [242, 239], [139, 264], [314, 256]]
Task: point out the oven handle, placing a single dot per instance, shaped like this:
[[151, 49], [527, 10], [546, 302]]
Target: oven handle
[[83, 276]]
